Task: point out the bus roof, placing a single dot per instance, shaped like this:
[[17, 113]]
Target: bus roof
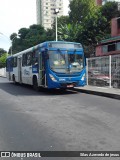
[[44, 44]]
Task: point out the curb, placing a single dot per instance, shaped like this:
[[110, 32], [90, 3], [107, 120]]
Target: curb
[[109, 95]]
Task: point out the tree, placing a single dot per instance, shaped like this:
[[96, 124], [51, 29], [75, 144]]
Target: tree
[[61, 21], [28, 37], [109, 11], [80, 9], [69, 32], [50, 35], [93, 22], [12, 36], [3, 60], [2, 51]]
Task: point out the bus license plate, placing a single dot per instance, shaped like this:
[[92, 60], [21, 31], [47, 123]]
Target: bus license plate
[[71, 85]]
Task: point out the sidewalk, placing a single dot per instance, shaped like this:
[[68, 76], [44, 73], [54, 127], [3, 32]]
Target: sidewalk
[[101, 91]]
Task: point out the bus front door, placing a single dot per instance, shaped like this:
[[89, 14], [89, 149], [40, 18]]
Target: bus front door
[[9, 69], [19, 70], [41, 70]]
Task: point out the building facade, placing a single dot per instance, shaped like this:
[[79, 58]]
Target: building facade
[[112, 45], [45, 11]]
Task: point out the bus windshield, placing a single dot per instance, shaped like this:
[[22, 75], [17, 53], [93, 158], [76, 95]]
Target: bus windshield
[[65, 62]]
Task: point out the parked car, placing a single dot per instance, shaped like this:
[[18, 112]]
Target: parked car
[[116, 79], [97, 78]]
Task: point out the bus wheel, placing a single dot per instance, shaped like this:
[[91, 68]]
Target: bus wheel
[[35, 84], [13, 78]]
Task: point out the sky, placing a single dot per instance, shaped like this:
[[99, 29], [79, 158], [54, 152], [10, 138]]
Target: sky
[[16, 14]]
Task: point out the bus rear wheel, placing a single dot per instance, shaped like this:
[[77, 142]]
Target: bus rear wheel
[[13, 78], [35, 84]]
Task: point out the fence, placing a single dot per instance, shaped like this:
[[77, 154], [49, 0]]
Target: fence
[[104, 71]]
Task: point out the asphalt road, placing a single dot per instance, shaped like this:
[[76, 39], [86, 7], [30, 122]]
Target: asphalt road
[[57, 121]]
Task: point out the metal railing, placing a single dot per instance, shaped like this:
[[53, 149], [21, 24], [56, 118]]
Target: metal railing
[[104, 71]]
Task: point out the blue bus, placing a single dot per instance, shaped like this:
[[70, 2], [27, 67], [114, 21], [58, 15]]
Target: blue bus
[[52, 64]]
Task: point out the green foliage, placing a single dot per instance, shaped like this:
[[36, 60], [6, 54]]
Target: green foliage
[[28, 37], [3, 60], [2, 51], [89, 23], [61, 21], [50, 35], [93, 30], [80, 9], [110, 10], [86, 23], [69, 32], [14, 35]]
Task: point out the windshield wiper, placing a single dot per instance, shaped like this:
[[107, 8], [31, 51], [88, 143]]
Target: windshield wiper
[[61, 54]]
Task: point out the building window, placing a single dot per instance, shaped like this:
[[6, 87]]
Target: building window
[[111, 47], [105, 49], [118, 46]]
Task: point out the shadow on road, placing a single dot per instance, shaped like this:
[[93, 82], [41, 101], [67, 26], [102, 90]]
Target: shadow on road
[[17, 89]]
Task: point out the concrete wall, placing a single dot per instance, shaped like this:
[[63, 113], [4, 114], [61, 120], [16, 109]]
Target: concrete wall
[[3, 72]]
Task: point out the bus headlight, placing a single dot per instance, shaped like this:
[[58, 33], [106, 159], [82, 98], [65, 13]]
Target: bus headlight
[[52, 78], [83, 77]]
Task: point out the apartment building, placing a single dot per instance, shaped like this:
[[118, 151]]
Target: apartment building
[[45, 11]]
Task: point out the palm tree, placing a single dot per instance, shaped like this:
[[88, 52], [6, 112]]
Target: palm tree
[[69, 32]]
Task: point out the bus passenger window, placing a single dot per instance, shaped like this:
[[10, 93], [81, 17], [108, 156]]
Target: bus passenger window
[[29, 59], [15, 62], [24, 60], [35, 58]]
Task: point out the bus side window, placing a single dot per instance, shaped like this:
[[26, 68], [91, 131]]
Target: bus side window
[[29, 58], [15, 62], [24, 60], [35, 58]]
